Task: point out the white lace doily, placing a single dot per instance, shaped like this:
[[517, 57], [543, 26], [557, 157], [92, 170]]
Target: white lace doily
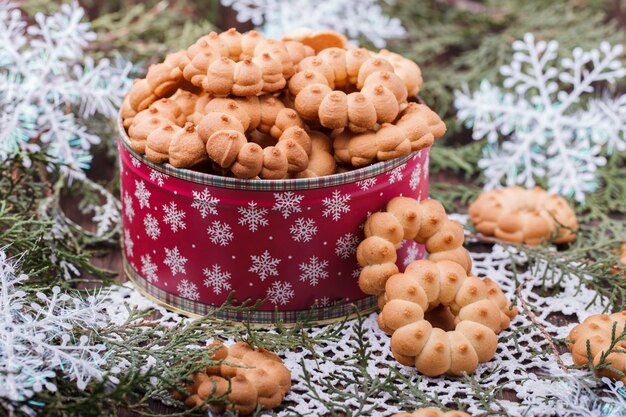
[[513, 368]]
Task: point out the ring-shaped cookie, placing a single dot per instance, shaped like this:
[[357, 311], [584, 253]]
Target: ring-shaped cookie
[[220, 135], [416, 127], [243, 65], [519, 215], [257, 378], [229, 63], [374, 94], [479, 308]]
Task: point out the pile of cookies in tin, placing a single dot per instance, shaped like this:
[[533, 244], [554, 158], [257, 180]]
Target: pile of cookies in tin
[[247, 106]]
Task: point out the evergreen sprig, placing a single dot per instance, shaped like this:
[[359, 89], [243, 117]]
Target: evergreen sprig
[[618, 337], [47, 251]]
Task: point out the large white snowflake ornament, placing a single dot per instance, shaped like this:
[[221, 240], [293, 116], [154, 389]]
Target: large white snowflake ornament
[[549, 130], [49, 89], [38, 341], [353, 18]]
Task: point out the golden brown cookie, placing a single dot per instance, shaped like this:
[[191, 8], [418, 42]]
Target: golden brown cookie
[[245, 377], [519, 215], [407, 70], [596, 332], [321, 160], [223, 129], [243, 65], [416, 128], [470, 310], [318, 40], [380, 97]]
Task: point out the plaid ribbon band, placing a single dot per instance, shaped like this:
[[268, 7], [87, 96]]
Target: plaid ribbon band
[[336, 312]]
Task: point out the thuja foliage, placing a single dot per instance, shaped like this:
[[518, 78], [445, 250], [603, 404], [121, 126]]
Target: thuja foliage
[[142, 31], [145, 359], [459, 42], [28, 229]]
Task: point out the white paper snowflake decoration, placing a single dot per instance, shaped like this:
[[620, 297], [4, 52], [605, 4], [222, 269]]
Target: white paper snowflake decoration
[[49, 88], [38, 341], [353, 18], [549, 131]]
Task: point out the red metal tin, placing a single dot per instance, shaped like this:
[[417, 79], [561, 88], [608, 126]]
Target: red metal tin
[[192, 238]]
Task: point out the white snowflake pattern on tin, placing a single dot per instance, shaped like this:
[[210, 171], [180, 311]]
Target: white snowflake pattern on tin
[[336, 205], [415, 177], [128, 243], [264, 265], [346, 245], [158, 177], [252, 216], [149, 268], [175, 260], [287, 203], [151, 225], [135, 162], [323, 302], [313, 271], [173, 217], [280, 292], [143, 195], [368, 183], [204, 202], [216, 279], [411, 253], [220, 233], [129, 211], [396, 175], [356, 273], [303, 230], [188, 289]]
